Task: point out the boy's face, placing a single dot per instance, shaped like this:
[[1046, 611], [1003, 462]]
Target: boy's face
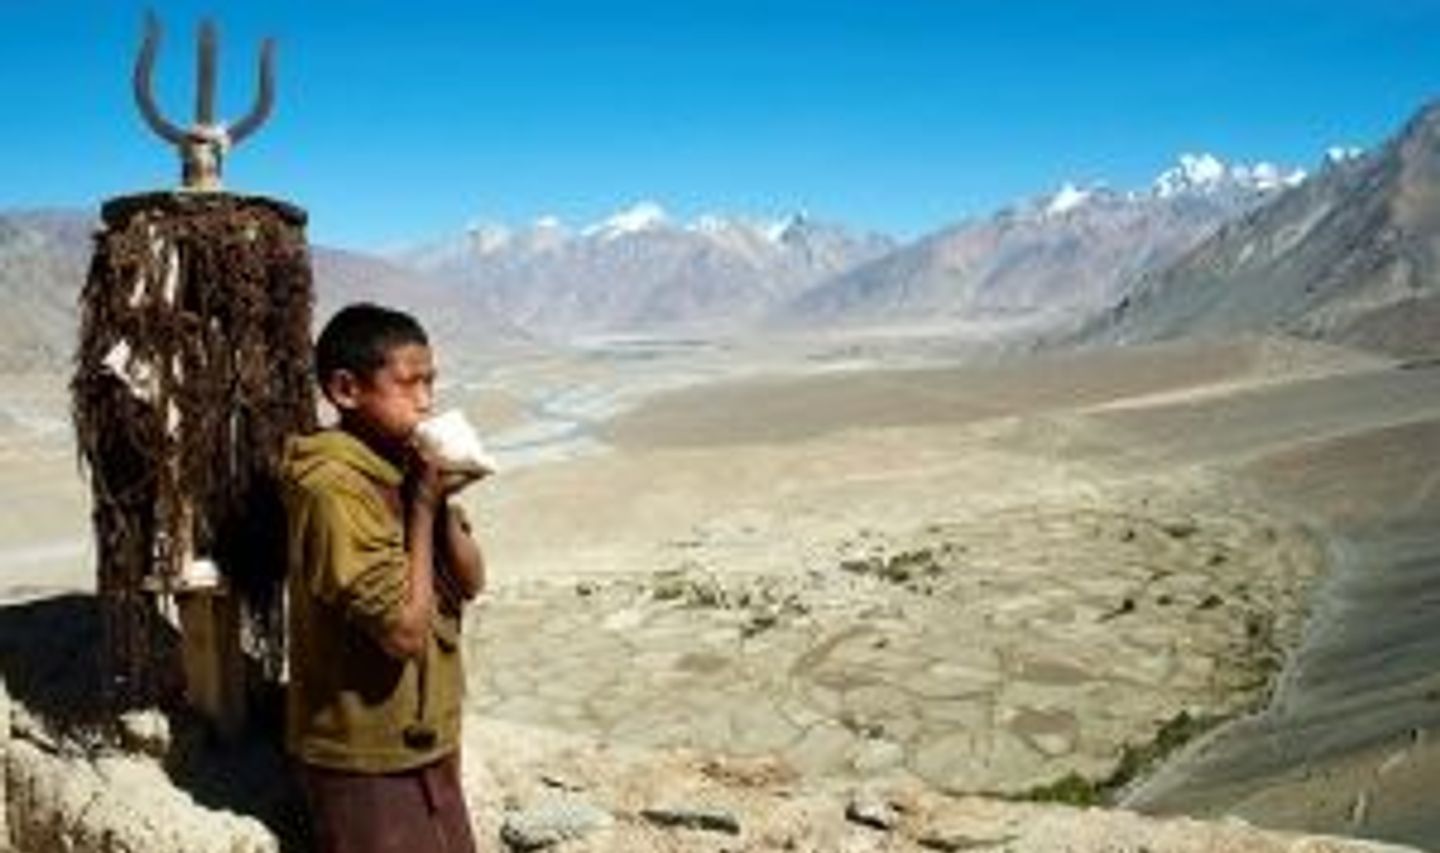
[[393, 400]]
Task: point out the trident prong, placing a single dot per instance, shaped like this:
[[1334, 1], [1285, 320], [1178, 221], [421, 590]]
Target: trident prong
[[205, 76], [204, 144]]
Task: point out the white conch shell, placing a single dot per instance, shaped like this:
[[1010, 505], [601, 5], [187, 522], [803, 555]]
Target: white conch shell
[[451, 437]]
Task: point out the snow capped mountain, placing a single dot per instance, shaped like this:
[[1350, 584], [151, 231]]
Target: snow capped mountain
[[648, 216], [1194, 172], [1068, 198], [640, 217], [1195, 177], [1347, 257], [639, 268], [1207, 174], [1059, 255], [1267, 176], [1063, 254], [1336, 154]]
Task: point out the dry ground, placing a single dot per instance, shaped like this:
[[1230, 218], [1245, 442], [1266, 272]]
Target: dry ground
[[787, 475]]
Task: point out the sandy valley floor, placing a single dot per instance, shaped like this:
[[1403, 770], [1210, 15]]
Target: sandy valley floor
[[832, 572]]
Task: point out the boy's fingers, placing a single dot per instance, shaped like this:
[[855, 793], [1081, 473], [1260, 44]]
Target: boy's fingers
[[457, 480], [425, 455], [447, 586]]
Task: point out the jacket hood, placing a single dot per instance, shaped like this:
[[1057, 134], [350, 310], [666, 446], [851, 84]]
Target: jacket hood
[[305, 453]]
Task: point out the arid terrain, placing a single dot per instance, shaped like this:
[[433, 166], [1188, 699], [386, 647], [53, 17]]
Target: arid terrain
[[739, 590]]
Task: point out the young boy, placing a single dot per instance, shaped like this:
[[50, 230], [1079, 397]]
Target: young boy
[[379, 567]]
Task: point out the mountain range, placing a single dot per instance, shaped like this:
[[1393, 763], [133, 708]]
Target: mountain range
[[1047, 260], [1347, 254], [1351, 256], [44, 257], [638, 270]]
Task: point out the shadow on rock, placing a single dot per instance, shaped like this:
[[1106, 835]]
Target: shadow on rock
[[50, 660], [248, 774], [51, 654]]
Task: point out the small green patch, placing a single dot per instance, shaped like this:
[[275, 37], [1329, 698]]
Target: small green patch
[[1178, 731], [909, 569], [1076, 790], [1071, 789]]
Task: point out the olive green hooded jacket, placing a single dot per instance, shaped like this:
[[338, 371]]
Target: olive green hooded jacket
[[349, 704]]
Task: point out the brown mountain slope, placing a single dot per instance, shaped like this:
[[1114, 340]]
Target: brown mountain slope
[[1350, 256]]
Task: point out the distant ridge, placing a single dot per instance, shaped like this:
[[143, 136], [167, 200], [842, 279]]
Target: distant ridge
[[1047, 260], [1041, 268], [1351, 256], [44, 257], [640, 271]]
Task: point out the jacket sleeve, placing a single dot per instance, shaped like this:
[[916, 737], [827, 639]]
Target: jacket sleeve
[[355, 556]]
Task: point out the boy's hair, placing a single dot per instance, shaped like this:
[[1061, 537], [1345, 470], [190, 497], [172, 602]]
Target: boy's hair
[[359, 338]]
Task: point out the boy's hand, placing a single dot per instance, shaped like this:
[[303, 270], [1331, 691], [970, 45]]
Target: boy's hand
[[427, 479], [454, 481], [432, 483]]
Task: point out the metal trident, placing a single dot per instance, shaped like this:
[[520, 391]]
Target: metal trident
[[204, 144]]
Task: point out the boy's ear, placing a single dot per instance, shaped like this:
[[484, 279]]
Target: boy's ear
[[343, 389]]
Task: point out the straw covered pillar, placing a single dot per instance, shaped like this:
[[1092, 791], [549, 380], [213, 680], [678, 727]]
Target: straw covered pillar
[[193, 365]]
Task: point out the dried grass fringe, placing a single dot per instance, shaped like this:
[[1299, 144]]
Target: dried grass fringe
[[236, 340]]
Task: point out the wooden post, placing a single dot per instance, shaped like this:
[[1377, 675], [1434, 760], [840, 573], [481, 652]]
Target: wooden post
[[210, 650], [210, 653]]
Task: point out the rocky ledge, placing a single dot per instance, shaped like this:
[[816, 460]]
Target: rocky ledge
[[533, 789]]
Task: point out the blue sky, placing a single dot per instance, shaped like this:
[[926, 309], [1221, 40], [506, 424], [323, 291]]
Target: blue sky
[[398, 121]]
